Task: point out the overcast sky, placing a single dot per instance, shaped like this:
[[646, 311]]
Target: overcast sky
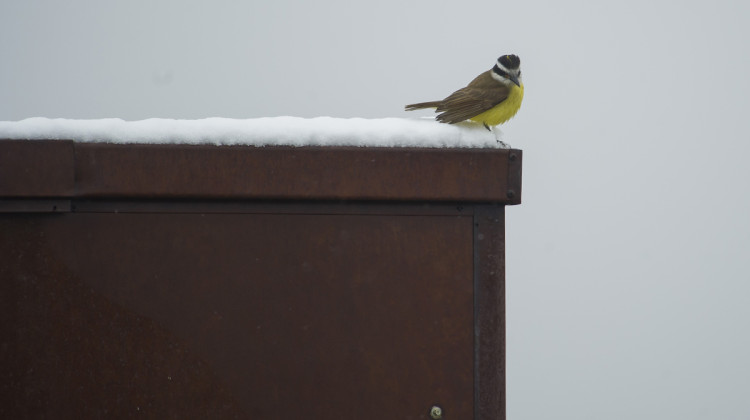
[[628, 262]]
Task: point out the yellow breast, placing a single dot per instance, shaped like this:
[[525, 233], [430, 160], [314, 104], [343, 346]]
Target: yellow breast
[[505, 110]]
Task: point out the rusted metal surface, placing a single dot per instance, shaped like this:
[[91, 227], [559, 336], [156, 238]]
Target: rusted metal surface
[[288, 173], [489, 306], [295, 173], [515, 160], [264, 283], [69, 351], [36, 168], [282, 315]]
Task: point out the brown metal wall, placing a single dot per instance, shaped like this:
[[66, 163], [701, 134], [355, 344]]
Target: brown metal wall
[[198, 307]]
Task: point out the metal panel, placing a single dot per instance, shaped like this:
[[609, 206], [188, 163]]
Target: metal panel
[[240, 282], [106, 170], [57, 168], [515, 162], [489, 306], [36, 168], [306, 315]]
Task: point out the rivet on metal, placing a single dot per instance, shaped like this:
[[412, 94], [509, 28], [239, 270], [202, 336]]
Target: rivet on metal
[[510, 193], [512, 157], [436, 412]]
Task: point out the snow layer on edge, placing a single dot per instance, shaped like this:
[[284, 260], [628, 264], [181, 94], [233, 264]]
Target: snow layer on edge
[[270, 131]]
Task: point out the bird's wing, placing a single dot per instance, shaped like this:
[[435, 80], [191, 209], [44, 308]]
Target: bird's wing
[[470, 102], [483, 93]]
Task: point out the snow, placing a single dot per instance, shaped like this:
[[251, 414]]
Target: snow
[[271, 131]]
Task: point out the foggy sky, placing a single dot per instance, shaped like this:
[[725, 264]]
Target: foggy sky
[[628, 261]]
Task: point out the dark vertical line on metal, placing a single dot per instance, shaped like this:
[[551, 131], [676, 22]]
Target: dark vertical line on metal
[[76, 180], [475, 250], [489, 312]]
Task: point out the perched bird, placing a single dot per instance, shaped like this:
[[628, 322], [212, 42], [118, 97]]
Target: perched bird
[[492, 98]]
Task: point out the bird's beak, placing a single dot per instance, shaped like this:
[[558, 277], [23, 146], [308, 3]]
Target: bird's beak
[[514, 79]]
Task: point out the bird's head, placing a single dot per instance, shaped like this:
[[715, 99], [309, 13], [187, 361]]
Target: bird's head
[[507, 70]]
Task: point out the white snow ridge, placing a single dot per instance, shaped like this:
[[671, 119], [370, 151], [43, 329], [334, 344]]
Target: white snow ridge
[[270, 131]]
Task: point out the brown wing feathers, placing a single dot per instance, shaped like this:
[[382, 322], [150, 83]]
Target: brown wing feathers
[[422, 105], [480, 95]]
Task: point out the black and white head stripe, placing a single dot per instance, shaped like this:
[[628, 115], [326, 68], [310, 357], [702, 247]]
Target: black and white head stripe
[[506, 64], [510, 61], [507, 70]]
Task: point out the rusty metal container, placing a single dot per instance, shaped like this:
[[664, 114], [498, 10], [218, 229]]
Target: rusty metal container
[[178, 281]]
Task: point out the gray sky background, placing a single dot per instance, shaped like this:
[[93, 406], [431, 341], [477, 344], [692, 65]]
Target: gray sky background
[[629, 260]]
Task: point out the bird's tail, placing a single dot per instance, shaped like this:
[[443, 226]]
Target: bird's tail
[[423, 105]]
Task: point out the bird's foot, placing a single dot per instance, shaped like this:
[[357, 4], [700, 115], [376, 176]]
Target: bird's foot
[[499, 138]]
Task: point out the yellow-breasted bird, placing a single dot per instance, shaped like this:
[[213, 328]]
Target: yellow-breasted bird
[[492, 98]]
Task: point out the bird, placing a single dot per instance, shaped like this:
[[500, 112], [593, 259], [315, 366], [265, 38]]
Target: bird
[[492, 98]]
